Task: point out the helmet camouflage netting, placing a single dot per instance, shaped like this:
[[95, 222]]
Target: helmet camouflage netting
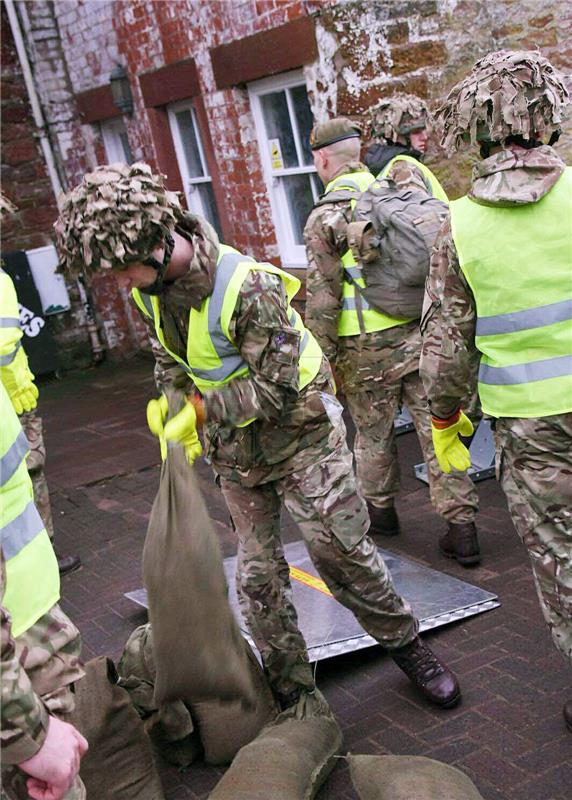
[[507, 93], [395, 117], [116, 215]]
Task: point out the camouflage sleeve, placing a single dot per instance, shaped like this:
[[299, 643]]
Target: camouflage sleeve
[[407, 176], [168, 372], [269, 346], [449, 359], [24, 716], [325, 236]]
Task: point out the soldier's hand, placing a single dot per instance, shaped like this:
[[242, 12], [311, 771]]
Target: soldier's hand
[[450, 451], [182, 428], [55, 766], [157, 411]]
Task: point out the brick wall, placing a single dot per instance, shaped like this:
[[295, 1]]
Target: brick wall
[[365, 50]]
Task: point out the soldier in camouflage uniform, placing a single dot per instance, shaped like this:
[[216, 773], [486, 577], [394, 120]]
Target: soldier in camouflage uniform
[[377, 365], [10, 350], [498, 309], [274, 431], [39, 751], [399, 128]]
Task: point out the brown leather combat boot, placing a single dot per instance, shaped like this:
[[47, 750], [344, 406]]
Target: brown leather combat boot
[[383, 521], [434, 680], [567, 711], [68, 564], [461, 543]]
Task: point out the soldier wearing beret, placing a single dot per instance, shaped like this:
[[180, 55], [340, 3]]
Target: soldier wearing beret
[[225, 334], [376, 357]]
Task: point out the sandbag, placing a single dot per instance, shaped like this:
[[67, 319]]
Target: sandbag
[[180, 733], [170, 726], [119, 763], [289, 760], [226, 727], [409, 778], [197, 644]]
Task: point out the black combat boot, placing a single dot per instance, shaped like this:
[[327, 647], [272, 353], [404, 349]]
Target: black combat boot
[[383, 521], [433, 679], [461, 543], [67, 564], [567, 711]]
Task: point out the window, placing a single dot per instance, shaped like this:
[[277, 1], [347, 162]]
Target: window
[[283, 124], [116, 142], [192, 162]]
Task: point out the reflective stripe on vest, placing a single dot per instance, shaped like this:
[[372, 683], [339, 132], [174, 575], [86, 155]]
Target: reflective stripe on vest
[[512, 257], [9, 322], [32, 576], [9, 357], [211, 337], [348, 322], [434, 186]]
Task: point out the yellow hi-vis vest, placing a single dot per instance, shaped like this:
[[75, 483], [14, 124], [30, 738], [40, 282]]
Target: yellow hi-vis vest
[[349, 322], [212, 358], [32, 576], [518, 263], [436, 188], [10, 333]]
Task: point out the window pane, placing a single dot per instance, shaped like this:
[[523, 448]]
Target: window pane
[[208, 203], [300, 202], [304, 120], [189, 142], [126, 147], [277, 121]]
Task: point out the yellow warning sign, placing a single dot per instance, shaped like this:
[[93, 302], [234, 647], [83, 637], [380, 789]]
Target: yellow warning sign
[[276, 154], [309, 580]]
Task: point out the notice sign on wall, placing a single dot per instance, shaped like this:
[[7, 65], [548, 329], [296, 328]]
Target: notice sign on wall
[[276, 154]]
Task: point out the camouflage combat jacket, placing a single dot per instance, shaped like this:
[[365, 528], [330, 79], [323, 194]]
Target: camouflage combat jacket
[[450, 359], [288, 423], [52, 646], [326, 241]]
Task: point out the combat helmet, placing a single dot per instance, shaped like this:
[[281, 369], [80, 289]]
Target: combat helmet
[[116, 215], [395, 117], [507, 93]]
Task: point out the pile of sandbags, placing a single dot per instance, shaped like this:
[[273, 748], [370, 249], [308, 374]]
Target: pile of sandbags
[[182, 731]]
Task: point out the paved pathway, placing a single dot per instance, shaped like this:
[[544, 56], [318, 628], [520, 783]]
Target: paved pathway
[[508, 734]]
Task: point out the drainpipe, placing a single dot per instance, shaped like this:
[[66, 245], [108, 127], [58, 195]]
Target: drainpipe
[[45, 144]]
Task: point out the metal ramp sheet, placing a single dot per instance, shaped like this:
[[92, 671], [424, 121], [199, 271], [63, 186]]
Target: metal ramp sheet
[[330, 629]]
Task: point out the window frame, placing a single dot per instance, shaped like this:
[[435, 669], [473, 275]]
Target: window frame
[[194, 202], [111, 130], [293, 256]]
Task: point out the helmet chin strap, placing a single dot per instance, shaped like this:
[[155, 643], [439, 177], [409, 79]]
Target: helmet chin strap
[[160, 267]]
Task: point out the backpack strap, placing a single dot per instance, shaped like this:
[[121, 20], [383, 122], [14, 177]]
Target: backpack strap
[[337, 196]]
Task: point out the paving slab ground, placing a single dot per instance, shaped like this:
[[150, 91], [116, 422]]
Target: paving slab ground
[[508, 734]]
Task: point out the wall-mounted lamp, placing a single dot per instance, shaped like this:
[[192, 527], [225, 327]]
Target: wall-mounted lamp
[[121, 90]]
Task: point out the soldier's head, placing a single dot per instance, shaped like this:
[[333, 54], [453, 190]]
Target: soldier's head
[[509, 97], [334, 143], [119, 218], [401, 119]]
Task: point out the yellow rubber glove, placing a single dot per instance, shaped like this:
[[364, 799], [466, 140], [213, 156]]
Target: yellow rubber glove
[[183, 429], [18, 381], [450, 451], [157, 411]]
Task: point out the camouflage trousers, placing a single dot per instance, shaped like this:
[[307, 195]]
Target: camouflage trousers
[[324, 502], [534, 467], [380, 373], [49, 654], [32, 425]]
